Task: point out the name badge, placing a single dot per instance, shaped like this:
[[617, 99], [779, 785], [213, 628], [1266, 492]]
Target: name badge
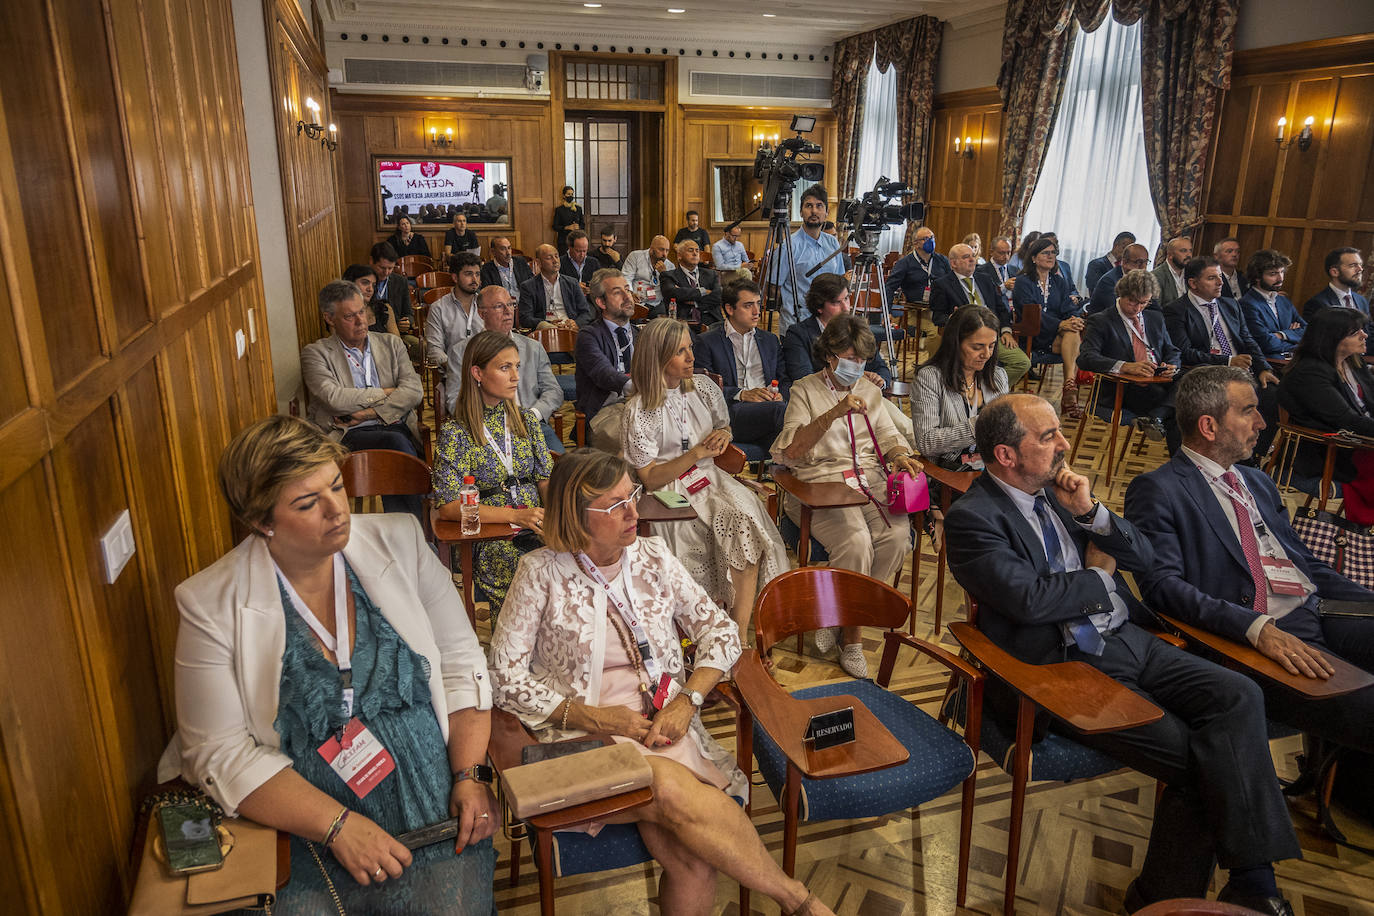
[[1283, 576], [360, 759], [851, 479], [667, 690], [695, 479]]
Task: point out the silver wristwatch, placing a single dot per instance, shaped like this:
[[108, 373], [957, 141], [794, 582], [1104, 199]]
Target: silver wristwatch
[[698, 700]]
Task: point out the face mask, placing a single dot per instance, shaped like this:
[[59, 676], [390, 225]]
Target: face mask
[[848, 371], [928, 246]]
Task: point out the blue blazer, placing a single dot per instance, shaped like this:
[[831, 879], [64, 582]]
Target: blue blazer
[[1199, 571], [598, 373], [1059, 306], [911, 278], [1190, 333], [567, 268], [797, 361], [1096, 268], [534, 306], [1326, 298], [1262, 323], [714, 353]]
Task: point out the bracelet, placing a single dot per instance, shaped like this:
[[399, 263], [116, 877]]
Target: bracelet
[[333, 832], [567, 708]]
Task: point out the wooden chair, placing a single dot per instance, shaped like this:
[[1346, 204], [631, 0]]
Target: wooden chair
[[431, 296], [413, 265], [1283, 457], [561, 342], [1119, 416], [383, 472], [951, 482], [641, 314], [1026, 329], [900, 758], [811, 496], [434, 279]]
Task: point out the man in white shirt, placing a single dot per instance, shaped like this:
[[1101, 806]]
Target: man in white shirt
[[550, 299], [504, 268], [644, 268], [1170, 273], [729, 253], [454, 317], [748, 360]]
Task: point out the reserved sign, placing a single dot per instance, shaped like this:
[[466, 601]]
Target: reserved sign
[[830, 729]]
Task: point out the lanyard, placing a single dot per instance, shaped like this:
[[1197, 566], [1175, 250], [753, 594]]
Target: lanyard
[[625, 610], [341, 647], [1149, 350], [505, 454], [1245, 499], [682, 418]]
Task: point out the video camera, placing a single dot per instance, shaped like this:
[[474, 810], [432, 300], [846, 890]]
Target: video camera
[[779, 171], [875, 211]]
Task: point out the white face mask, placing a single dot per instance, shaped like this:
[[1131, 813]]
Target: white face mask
[[848, 371]]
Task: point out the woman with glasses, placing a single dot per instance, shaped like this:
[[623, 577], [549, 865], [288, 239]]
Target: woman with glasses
[[1329, 388], [589, 632], [676, 424], [1061, 321]]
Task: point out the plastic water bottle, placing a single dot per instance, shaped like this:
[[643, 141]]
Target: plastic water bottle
[[469, 506], [773, 390]]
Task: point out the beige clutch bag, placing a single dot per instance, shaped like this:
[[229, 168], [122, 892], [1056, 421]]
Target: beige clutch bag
[[552, 785], [248, 877]]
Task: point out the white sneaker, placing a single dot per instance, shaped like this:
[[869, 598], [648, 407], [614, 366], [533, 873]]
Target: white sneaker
[[853, 661], [825, 640]]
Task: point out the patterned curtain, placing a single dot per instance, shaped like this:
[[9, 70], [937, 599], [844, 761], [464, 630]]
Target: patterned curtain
[[847, 81]]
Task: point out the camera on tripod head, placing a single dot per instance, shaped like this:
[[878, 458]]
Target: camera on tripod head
[[875, 210], [779, 170]]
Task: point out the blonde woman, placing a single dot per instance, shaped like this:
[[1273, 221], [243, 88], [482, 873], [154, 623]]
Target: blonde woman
[[675, 425]]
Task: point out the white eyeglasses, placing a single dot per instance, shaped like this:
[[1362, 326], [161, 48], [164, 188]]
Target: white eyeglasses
[[620, 506]]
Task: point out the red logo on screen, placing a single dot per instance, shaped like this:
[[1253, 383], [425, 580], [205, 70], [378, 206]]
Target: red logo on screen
[[429, 169]]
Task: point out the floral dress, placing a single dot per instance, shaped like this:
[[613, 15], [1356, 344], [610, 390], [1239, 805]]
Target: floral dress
[[457, 455]]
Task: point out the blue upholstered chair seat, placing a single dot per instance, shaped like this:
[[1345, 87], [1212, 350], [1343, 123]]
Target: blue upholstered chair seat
[[568, 383], [1055, 757], [751, 451], [939, 761], [616, 846], [791, 536]]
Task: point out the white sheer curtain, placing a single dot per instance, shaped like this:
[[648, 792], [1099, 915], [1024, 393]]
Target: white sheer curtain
[[1093, 184], [878, 143]]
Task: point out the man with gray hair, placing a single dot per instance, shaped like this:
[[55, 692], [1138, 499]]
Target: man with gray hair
[[643, 269], [363, 390]]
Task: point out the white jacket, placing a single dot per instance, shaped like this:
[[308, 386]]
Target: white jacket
[[233, 633]]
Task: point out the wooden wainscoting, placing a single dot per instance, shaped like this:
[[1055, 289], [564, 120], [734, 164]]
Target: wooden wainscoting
[[965, 195], [128, 262]]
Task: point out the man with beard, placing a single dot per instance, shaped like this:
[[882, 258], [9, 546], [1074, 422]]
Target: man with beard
[[454, 317], [1234, 282], [1169, 274], [811, 244], [1041, 556], [605, 350], [1274, 323], [1345, 268]]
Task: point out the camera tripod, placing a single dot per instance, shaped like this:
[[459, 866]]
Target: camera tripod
[[867, 265]]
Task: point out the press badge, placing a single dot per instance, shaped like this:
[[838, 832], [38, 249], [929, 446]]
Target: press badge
[[668, 688], [1283, 576], [851, 478], [695, 479], [360, 759]]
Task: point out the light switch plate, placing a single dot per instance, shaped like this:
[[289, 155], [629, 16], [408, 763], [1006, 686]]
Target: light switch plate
[[240, 342], [252, 325], [117, 546]]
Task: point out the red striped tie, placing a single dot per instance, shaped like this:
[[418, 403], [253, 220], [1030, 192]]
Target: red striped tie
[[1248, 545]]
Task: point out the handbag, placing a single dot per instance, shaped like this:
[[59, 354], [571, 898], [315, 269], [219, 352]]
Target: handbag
[[552, 785], [1346, 547], [906, 493]]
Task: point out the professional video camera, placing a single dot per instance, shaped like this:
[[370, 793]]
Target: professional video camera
[[779, 171], [875, 211]]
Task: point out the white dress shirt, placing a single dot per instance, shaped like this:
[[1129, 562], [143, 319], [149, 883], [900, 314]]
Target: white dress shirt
[[553, 298], [748, 361]]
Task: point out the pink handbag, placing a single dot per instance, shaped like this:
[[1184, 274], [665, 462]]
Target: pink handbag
[[905, 493]]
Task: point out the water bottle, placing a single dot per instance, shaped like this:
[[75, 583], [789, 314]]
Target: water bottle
[[672, 308], [773, 390], [469, 506]]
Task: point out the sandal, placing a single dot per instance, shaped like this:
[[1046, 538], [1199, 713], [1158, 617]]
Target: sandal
[[1068, 402]]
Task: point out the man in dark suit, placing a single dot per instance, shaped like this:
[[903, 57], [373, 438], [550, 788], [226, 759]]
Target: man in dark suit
[[915, 273], [505, 269], [747, 359], [1233, 280], [606, 345], [578, 263], [1133, 257], [1269, 314], [1099, 266], [998, 267], [1131, 340], [1345, 268], [391, 287], [550, 300], [1041, 556], [827, 297], [693, 287], [964, 285], [1227, 559]]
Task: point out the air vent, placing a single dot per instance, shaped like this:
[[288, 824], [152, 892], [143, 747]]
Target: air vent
[[755, 86], [433, 73]]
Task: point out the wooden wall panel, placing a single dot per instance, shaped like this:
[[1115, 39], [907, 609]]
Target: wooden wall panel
[[965, 195], [1303, 203], [127, 263]]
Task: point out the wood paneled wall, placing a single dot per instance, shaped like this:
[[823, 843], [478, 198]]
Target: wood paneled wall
[[128, 261], [298, 71], [965, 195], [1302, 203]]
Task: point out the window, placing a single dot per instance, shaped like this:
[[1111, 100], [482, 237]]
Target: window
[[878, 144], [618, 82]]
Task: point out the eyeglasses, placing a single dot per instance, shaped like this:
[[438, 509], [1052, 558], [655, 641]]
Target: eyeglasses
[[622, 505]]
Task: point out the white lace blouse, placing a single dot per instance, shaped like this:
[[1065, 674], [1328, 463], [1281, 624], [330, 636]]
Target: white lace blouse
[[657, 435]]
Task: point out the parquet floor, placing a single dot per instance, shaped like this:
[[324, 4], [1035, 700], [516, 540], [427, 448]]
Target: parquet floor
[[1082, 842]]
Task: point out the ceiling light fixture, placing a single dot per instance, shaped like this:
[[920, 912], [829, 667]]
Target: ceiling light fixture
[[770, 15], [592, 6], [675, 10]]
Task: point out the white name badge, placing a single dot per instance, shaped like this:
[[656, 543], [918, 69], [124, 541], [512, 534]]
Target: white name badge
[[361, 760], [1283, 576], [851, 478], [695, 479]]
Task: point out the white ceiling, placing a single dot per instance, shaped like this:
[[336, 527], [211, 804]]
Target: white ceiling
[[795, 25]]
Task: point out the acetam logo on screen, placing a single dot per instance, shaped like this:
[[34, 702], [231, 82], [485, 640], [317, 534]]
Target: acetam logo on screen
[[429, 169]]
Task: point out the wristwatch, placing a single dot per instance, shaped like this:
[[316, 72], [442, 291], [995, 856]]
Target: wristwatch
[[1088, 516], [697, 698], [478, 772]]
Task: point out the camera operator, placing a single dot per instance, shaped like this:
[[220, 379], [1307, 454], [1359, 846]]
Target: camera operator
[[810, 246]]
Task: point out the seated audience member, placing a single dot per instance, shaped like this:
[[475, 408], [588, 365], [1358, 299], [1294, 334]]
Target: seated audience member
[[1270, 316], [694, 232], [965, 285], [505, 269], [550, 300], [406, 240], [1021, 259], [1133, 257], [730, 254], [491, 438], [391, 287], [379, 313], [827, 298], [1060, 265], [578, 263], [811, 245], [563, 660], [644, 268], [825, 437], [459, 239], [606, 253], [1234, 282], [675, 424], [1131, 339], [538, 389], [1345, 268], [1043, 559], [1099, 266], [1061, 324], [915, 272], [748, 360], [1172, 284], [695, 289], [975, 241], [567, 217], [454, 317], [1329, 388], [998, 268], [1217, 527], [954, 386], [261, 692], [605, 350]]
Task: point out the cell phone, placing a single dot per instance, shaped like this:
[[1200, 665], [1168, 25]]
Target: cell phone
[[533, 753], [189, 835], [671, 500], [1163, 370]]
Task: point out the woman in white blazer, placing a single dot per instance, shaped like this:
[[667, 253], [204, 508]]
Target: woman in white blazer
[[320, 633]]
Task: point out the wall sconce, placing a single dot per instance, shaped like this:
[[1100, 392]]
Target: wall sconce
[[1304, 137], [438, 141], [314, 130], [966, 152]]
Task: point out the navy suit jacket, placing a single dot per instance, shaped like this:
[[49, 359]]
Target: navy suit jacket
[[911, 278], [797, 361], [1096, 268], [1190, 333], [1326, 298], [1106, 340], [1059, 306], [1228, 286], [989, 269], [948, 293], [1104, 292], [676, 285], [598, 374], [589, 267], [1199, 572], [491, 274], [714, 353], [1262, 323], [534, 306]]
